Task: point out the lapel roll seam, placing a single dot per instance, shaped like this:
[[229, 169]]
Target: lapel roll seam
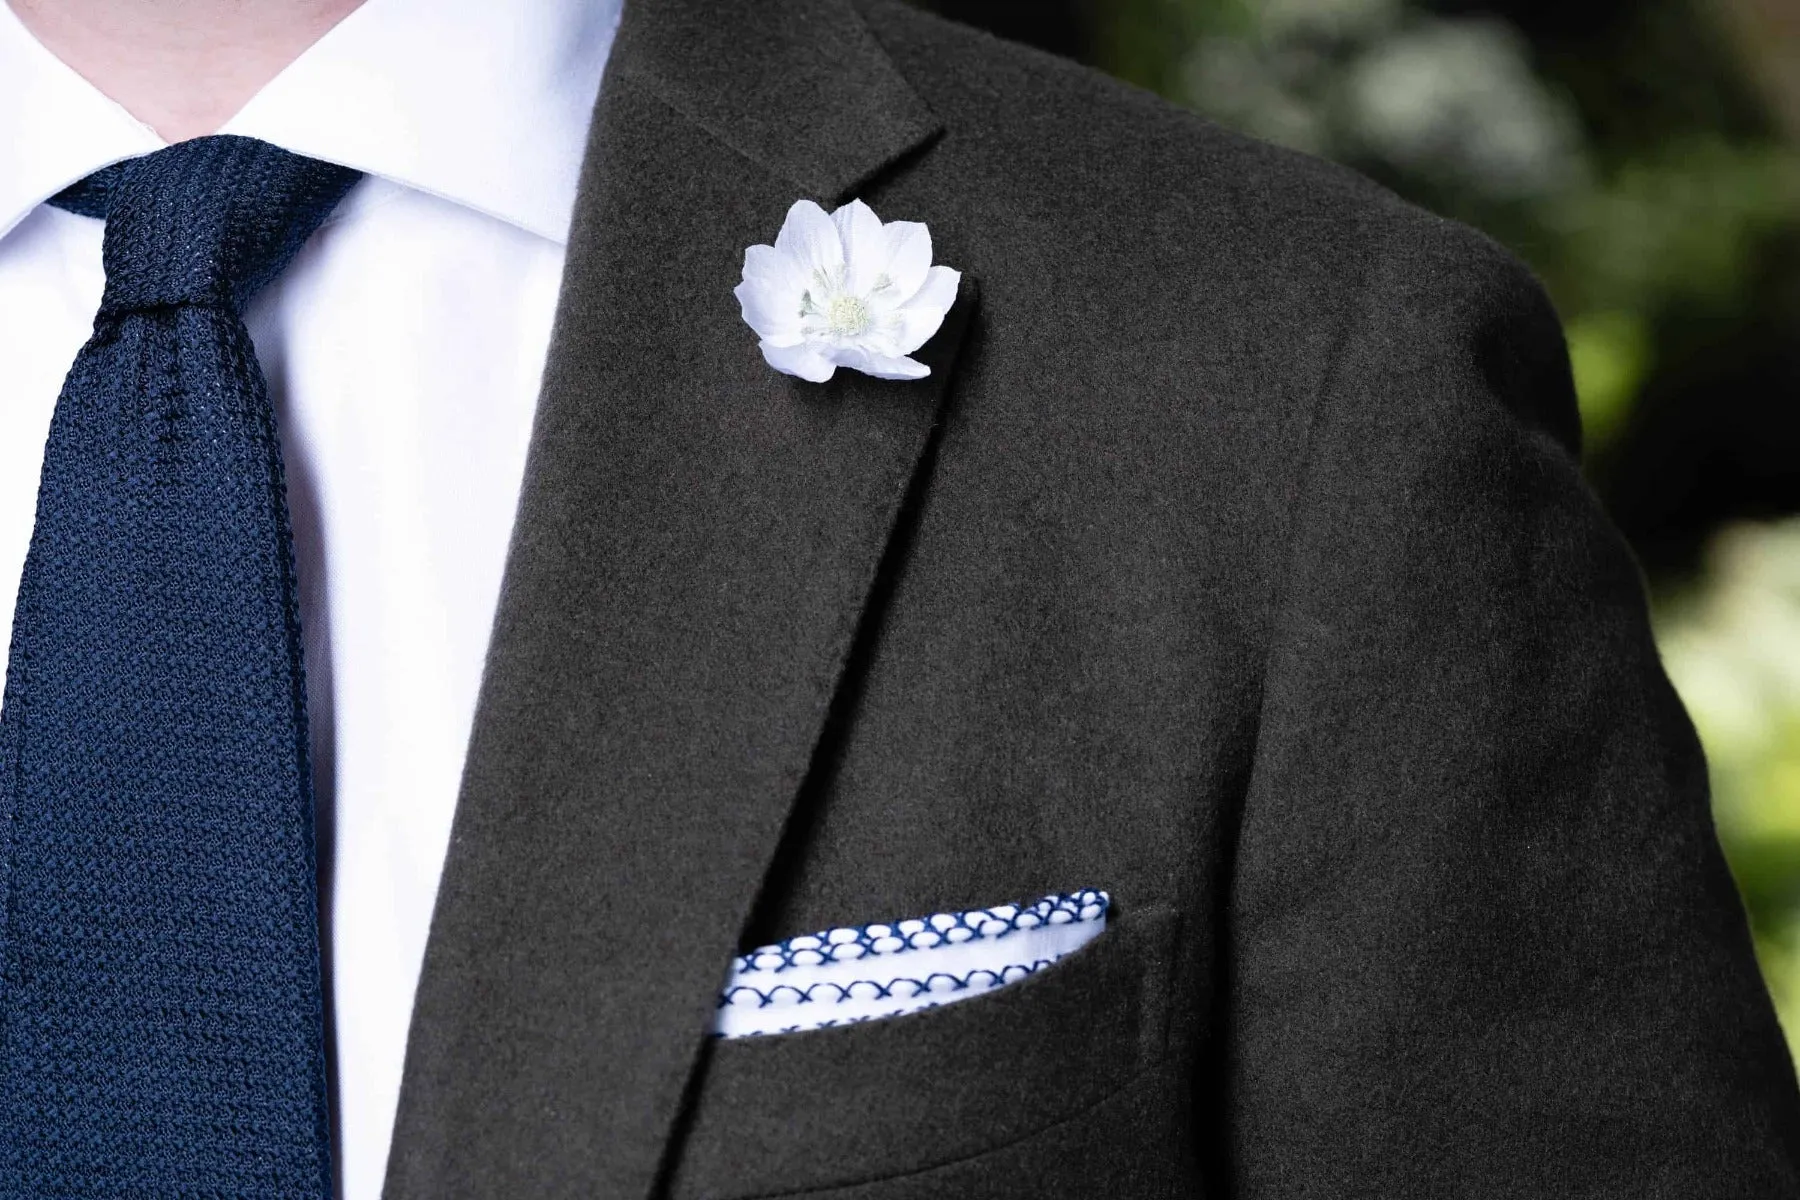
[[802, 88]]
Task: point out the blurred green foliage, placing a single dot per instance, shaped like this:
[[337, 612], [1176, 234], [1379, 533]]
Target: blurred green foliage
[[1732, 645], [1634, 152]]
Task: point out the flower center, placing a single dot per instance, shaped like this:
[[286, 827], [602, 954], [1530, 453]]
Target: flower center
[[848, 316]]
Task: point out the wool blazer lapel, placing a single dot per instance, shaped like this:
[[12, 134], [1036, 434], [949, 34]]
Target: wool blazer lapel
[[696, 545]]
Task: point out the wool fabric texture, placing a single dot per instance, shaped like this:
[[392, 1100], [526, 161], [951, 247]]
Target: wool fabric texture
[[161, 1012], [1236, 560]]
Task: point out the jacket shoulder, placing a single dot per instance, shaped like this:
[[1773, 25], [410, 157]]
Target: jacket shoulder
[[1080, 152], [1071, 130], [1216, 255]]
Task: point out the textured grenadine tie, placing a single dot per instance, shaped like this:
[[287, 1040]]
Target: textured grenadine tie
[[161, 1012]]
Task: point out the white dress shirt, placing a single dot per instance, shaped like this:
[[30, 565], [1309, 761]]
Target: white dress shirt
[[403, 350]]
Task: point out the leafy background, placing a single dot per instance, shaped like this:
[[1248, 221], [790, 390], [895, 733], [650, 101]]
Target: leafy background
[[1644, 157]]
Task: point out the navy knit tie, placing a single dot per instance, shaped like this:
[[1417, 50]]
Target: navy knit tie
[[161, 1014]]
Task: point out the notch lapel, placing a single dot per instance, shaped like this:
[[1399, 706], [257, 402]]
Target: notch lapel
[[696, 540]]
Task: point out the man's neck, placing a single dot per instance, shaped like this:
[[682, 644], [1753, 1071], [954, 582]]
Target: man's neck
[[182, 67]]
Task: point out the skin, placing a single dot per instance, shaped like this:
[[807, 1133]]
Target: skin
[[182, 67]]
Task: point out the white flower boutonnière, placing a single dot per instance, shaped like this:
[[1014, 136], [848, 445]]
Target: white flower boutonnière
[[845, 290]]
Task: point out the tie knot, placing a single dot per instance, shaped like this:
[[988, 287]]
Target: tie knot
[[204, 222]]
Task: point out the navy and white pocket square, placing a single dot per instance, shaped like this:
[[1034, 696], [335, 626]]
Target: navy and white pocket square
[[865, 972]]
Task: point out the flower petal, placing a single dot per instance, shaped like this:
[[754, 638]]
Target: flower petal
[[881, 366], [922, 315], [938, 291], [773, 313], [810, 240], [804, 361], [905, 258], [865, 245], [768, 266]]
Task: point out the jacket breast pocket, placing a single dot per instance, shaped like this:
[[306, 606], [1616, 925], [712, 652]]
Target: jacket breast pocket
[[857, 1103]]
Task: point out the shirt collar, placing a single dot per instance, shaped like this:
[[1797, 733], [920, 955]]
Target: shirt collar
[[55, 127], [484, 104]]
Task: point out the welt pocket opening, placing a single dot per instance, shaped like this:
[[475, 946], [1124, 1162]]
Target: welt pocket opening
[[883, 1097]]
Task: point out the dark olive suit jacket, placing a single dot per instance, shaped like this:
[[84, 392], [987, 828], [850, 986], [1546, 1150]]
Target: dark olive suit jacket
[[1234, 558]]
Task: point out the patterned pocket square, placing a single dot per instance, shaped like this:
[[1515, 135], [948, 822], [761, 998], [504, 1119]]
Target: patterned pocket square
[[864, 972]]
